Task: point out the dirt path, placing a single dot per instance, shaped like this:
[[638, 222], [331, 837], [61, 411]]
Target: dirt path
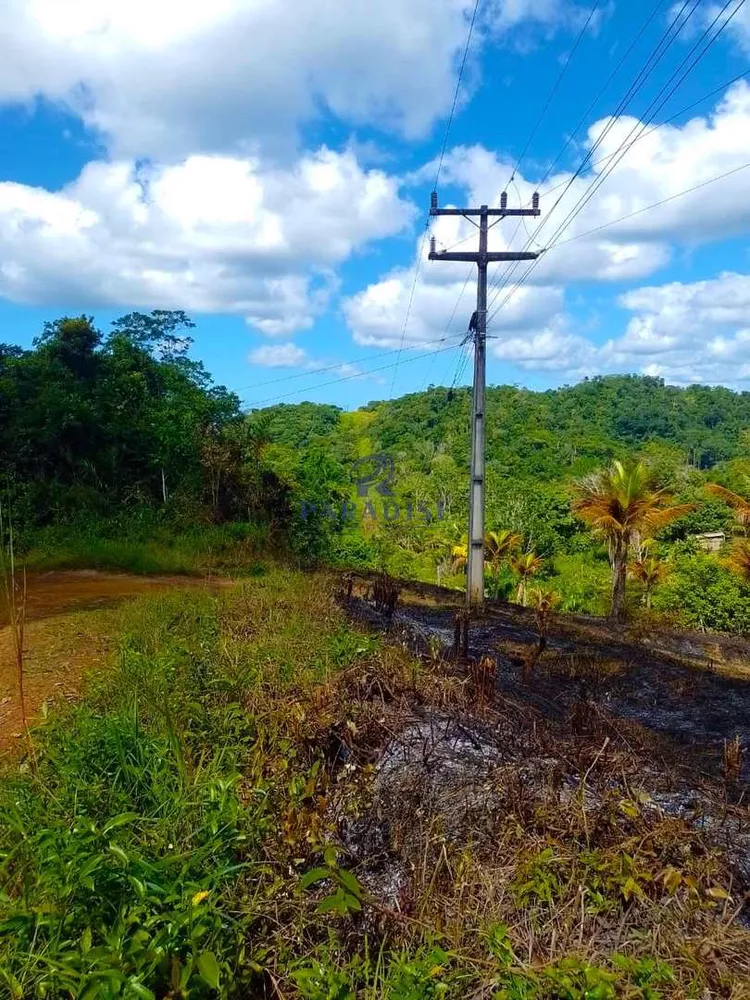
[[70, 619]]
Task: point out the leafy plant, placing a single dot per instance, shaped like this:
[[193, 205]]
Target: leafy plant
[[525, 566], [347, 894], [619, 503]]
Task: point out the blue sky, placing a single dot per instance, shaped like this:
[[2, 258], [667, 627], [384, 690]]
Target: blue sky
[[267, 167]]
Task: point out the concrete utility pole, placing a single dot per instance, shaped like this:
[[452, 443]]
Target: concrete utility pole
[[478, 327]]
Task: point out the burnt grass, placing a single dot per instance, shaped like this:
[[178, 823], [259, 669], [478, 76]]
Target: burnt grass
[[590, 809], [680, 692], [671, 717]]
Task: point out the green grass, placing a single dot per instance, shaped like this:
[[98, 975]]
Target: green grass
[[157, 844], [236, 548], [131, 852]]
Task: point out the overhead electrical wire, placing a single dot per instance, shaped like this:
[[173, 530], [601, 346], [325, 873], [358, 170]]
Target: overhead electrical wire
[[339, 364], [617, 155], [665, 93], [602, 90], [555, 88], [461, 365], [423, 241], [662, 46], [656, 105], [649, 208], [654, 128], [348, 378], [463, 361], [428, 372], [532, 135], [501, 279]]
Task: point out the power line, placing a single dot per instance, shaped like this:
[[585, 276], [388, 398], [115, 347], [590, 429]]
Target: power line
[[654, 128], [339, 364], [602, 90], [467, 47], [656, 105], [653, 60], [648, 208], [450, 321], [348, 378], [463, 360], [663, 44], [624, 218], [423, 240], [461, 367], [417, 267], [530, 139], [555, 88]]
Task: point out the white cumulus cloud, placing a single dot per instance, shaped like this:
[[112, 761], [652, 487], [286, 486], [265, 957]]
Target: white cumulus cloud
[[278, 356], [736, 16], [530, 317], [208, 234], [695, 332], [166, 78]]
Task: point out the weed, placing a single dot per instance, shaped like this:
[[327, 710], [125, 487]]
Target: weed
[[733, 759], [15, 600], [234, 810]]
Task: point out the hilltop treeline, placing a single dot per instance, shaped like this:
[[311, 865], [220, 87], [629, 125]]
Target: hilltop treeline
[[546, 435], [104, 431]]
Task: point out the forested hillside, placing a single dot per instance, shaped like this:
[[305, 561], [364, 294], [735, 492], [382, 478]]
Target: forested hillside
[[548, 434], [539, 445], [117, 436], [108, 438]]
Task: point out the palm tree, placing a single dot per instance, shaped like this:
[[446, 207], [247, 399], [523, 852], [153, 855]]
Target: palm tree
[[621, 503], [649, 571], [499, 546], [739, 561], [526, 565], [459, 558], [738, 503]]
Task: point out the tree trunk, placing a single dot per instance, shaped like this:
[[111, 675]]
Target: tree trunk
[[619, 571], [636, 542]]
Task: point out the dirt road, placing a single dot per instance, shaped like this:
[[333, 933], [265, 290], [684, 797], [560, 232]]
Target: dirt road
[[70, 617]]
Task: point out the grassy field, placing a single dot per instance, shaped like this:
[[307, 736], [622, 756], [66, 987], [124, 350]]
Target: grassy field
[[218, 816], [236, 548]]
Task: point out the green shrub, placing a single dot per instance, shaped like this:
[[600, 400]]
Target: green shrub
[[701, 593]]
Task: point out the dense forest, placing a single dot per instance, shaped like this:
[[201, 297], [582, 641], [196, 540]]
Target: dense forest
[[107, 439]]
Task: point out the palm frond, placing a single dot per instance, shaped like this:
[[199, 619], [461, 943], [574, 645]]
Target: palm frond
[[733, 499], [739, 560], [738, 503]]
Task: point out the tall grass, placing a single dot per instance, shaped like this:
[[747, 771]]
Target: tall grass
[[132, 862], [237, 548], [179, 836]]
